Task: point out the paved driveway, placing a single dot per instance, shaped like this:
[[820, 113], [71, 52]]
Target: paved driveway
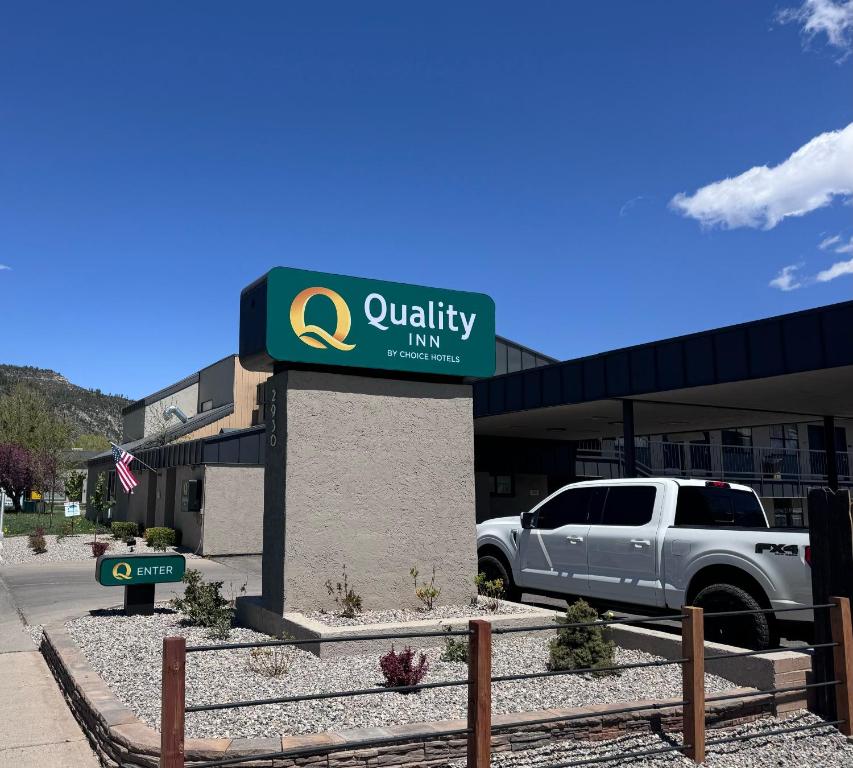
[[56, 592], [38, 728]]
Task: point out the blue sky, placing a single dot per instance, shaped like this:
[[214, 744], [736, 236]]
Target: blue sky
[[159, 156]]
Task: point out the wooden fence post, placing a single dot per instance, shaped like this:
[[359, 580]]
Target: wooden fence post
[[479, 693], [842, 633], [173, 702], [693, 676]]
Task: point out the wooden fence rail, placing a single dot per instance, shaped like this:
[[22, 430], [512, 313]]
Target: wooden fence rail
[[480, 687]]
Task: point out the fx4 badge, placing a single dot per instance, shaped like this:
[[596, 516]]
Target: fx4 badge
[[789, 550]]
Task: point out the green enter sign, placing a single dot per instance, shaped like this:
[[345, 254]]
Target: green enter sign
[[129, 570]]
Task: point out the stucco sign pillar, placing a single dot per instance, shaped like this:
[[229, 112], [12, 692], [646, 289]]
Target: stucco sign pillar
[[369, 430]]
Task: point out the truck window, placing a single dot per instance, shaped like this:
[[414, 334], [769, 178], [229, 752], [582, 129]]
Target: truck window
[[629, 505], [704, 505], [567, 508]]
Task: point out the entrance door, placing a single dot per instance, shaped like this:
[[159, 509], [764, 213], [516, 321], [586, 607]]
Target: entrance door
[[623, 551], [553, 554]]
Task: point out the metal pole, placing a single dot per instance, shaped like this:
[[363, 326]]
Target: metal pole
[[628, 438]]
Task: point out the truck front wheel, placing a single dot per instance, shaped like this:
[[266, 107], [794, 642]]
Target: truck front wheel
[[495, 568], [753, 631]]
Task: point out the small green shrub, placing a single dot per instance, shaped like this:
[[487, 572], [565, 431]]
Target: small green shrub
[[426, 593], [204, 606], [222, 628], [66, 530], [160, 538], [346, 598], [269, 662], [581, 647], [491, 589], [455, 648], [124, 530]]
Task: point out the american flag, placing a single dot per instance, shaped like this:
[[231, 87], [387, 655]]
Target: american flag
[[123, 459]]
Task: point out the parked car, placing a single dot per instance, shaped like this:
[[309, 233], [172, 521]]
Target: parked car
[[651, 545]]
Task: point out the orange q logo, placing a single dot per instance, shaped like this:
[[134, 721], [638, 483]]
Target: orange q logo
[[336, 339]]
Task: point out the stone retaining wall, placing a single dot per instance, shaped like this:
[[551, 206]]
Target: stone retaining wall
[[121, 739]]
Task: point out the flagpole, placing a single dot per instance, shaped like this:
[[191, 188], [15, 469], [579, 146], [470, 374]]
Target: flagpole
[[134, 458]]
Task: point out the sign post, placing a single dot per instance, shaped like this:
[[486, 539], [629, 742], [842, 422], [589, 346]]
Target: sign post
[[139, 574], [397, 359]]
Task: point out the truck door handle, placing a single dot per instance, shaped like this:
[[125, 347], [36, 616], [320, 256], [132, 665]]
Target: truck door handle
[[640, 543], [574, 539]]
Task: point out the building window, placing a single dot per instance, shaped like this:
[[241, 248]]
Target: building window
[[784, 436], [782, 459], [700, 454], [207, 405], [502, 485], [738, 458], [111, 485], [817, 450]]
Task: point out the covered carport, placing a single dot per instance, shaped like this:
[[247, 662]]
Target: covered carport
[[790, 369]]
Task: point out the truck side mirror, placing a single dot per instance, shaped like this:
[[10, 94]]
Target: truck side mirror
[[527, 520]]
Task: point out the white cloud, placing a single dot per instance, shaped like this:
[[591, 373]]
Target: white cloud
[[846, 247], [836, 244], [836, 270], [4, 266], [809, 179], [628, 205], [787, 280], [833, 18]]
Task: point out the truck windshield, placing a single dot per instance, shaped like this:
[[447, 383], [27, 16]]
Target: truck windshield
[[704, 505]]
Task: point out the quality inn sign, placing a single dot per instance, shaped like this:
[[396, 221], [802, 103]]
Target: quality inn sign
[[332, 320]]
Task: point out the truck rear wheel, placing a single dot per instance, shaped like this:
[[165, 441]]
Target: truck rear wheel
[[495, 568], [753, 631]]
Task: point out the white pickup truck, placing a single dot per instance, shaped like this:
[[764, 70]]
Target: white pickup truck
[[652, 545]]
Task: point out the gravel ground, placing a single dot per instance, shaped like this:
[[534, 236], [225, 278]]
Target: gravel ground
[[36, 631], [467, 611], [126, 652], [16, 550], [820, 748]]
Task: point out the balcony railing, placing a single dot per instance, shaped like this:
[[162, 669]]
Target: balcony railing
[[752, 465]]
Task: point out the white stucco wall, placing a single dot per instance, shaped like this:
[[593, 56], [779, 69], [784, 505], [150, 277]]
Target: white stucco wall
[[379, 478], [233, 510]]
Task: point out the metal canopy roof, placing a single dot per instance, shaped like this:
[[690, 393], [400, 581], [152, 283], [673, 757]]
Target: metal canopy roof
[[796, 367]]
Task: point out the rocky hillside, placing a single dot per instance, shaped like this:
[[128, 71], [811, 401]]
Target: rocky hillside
[[90, 411]]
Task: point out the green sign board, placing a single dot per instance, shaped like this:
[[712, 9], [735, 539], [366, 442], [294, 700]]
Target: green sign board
[[298, 316], [130, 570]]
